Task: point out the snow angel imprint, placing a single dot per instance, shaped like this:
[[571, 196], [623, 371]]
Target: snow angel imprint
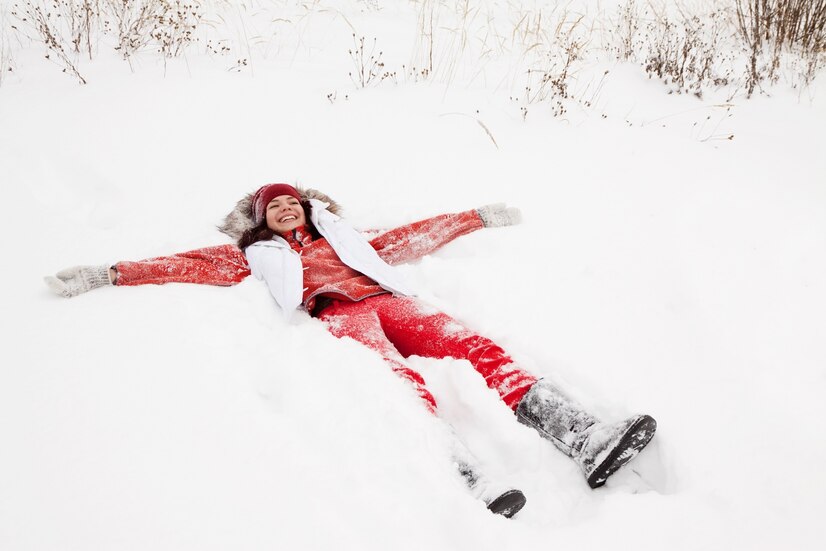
[[294, 241]]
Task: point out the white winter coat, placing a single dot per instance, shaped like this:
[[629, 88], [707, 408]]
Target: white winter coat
[[277, 264]]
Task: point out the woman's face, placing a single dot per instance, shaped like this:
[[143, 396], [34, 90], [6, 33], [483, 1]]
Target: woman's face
[[285, 213]]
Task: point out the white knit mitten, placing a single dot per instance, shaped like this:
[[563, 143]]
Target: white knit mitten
[[497, 215], [78, 279]]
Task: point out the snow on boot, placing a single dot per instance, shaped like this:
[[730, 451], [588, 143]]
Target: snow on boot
[[78, 279], [598, 448], [500, 500]]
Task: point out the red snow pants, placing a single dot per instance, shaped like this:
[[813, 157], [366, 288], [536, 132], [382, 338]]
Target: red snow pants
[[399, 327]]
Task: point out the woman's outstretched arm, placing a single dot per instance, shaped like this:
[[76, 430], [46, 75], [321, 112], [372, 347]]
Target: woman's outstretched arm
[[221, 265], [418, 239]]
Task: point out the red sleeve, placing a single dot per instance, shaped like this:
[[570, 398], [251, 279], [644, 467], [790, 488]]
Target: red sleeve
[[221, 265], [418, 239]]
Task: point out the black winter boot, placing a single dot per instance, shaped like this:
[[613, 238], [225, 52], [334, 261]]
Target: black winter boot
[[598, 448], [500, 499]]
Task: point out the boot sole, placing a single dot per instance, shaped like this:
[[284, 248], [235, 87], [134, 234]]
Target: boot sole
[[638, 435], [508, 504]]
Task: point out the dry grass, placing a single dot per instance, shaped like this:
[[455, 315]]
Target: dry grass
[[686, 52], [69, 28], [734, 43], [537, 55], [6, 58], [532, 52], [165, 25], [49, 28], [770, 28], [683, 48], [368, 66], [552, 48], [783, 23], [550, 81]]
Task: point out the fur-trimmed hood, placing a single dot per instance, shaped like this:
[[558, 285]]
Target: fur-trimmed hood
[[240, 219]]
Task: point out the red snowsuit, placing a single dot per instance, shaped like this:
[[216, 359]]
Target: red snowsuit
[[352, 305]]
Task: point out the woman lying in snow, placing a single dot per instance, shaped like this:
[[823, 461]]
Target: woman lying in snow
[[311, 259]]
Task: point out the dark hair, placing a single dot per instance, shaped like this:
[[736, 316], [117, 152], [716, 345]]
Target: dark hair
[[262, 232]]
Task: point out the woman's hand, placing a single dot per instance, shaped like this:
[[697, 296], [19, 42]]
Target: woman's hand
[[497, 215], [79, 279]]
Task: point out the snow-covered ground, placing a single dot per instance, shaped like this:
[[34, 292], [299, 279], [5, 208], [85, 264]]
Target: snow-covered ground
[[660, 268]]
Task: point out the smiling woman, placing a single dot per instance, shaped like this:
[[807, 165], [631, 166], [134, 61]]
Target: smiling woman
[[312, 260], [274, 209]]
